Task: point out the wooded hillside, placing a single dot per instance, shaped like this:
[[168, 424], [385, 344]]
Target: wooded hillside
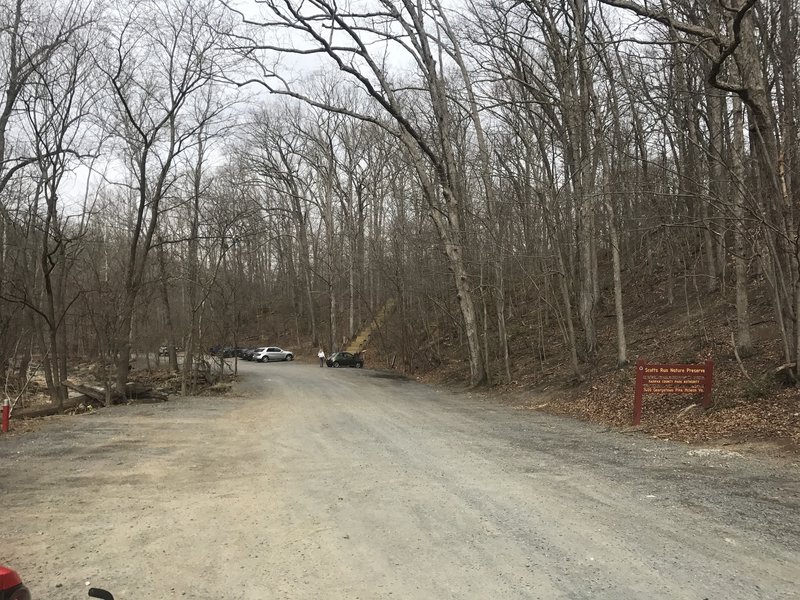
[[519, 180]]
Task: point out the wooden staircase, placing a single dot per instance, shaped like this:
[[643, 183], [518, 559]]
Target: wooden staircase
[[360, 341]]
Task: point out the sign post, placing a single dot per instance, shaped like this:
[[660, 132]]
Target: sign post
[[671, 379], [6, 415]]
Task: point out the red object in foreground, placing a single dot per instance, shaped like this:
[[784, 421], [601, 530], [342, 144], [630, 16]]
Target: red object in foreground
[[6, 416], [11, 587], [8, 579], [671, 379]]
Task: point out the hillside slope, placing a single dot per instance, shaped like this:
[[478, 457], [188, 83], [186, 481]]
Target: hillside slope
[[752, 401]]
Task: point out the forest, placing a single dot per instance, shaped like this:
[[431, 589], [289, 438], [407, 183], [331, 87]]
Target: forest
[[513, 186]]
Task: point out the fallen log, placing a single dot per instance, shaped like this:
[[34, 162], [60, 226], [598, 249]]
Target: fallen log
[[98, 394], [49, 410], [133, 391], [97, 397]]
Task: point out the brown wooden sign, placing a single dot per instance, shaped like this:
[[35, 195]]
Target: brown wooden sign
[[671, 379]]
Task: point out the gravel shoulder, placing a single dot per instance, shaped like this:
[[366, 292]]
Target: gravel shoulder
[[311, 483]]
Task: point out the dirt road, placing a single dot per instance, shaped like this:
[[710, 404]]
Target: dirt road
[[314, 483]]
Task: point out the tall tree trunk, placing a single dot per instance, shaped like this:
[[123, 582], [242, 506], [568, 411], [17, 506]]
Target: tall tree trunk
[[485, 328], [51, 262], [193, 273], [565, 295], [587, 298], [500, 309], [454, 254], [331, 256], [305, 260], [171, 337], [582, 167], [744, 343], [622, 350], [789, 156], [717, 192], [493, 206], [123, 341]]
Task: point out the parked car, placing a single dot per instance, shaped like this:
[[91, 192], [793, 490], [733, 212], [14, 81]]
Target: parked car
[[230, 352], [271, 353], [345, 359], [247, 353]]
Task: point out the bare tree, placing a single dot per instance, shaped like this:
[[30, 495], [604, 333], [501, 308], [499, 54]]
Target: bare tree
[[162, 55], [58, 109], [47, 68]]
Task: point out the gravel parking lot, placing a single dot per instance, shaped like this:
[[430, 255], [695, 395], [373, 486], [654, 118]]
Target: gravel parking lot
[[309, 483]]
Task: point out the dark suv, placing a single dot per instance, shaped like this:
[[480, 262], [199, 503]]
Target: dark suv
[[345, 359]]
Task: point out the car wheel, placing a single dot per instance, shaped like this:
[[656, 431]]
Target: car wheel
[[289, 357], [336, 365], [359, 365], [263, 359]]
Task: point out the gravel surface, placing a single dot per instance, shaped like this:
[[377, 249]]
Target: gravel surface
[[311, 483]]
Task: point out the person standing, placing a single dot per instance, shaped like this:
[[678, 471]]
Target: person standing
[[321, 355]]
